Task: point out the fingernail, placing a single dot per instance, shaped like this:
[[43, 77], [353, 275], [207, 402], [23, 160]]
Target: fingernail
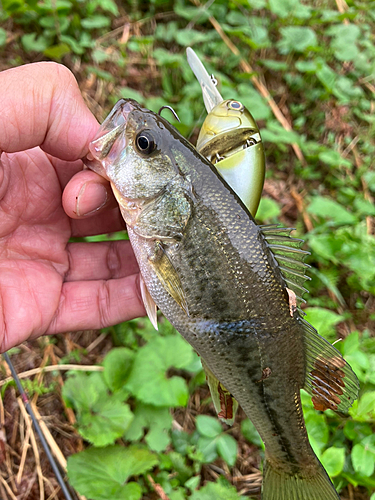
[[91, 198]]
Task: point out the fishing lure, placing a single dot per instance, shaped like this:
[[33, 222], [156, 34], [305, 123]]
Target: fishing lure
[[230, 139]]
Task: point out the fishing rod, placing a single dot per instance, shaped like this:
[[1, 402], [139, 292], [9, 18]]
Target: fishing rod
[[35, 422]]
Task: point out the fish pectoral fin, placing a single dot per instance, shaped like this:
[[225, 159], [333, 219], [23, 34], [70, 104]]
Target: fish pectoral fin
[[329, 379], [150, 306], [168, 276], [166, 216], [225, 404]]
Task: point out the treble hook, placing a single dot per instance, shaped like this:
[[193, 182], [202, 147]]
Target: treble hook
[[171, 110]]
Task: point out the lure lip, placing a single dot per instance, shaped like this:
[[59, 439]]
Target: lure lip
[[211, 96]]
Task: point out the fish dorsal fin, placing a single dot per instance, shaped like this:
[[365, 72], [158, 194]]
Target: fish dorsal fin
[[289, 257], [149, 304], [225, 404], [329, 379], [168, 276]]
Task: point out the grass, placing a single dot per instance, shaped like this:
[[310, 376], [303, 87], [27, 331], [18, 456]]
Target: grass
[[316, 60]]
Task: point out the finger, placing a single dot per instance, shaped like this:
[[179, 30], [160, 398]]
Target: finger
[[100, 261], [104, 222], [42, 106], [96, 304], [86, 194], [65, 170]]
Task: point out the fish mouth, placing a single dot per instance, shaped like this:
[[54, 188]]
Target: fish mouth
[[110, 140]]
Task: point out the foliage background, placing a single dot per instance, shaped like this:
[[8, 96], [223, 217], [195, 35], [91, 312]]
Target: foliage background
[[315, 61]]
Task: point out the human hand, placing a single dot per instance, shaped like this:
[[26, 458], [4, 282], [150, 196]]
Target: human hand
[[48, 285]]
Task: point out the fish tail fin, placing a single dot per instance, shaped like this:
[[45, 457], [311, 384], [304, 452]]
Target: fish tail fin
[[279, 485]]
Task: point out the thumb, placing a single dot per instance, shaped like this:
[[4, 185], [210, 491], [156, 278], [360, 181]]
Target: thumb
[[41, 105]]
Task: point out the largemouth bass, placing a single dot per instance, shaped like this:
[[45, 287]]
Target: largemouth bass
[[227, 286]]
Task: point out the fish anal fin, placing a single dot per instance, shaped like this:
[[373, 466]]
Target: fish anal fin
[[150, 306], [168, 276], [329, 379], [225, 404]]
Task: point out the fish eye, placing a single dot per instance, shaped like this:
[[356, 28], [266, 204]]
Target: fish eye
[[236, 105], [145, 142]]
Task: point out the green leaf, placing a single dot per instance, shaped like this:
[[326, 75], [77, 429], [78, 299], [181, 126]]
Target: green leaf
[[268, 209], [193, 482], [327, 246], [257, 4], [148, 379], [190, 37], [101, 417], [227, 449], [117, 367], [369, 177], [102, 473], [333, 460], [207, 446], [184, 472], [57, 52], [3, 37], [208, 426], [275, 65], [109, 6], [181, 441], [364, 409], [157, 420], [277, 134], [329, 209], [364, 207], [12, 6], [323, 320], [334, 159], [82, 390], [363, 460], [217, 491], [101, 73], [95, 22], [254, 102], [283, 8], [33, 44], [351, 344], [197, 13], [73, 44], [326, 76], [306, 66], [344, 41], [250, 433], [317, 430], [128, 93], [297, 39], [107, 421]]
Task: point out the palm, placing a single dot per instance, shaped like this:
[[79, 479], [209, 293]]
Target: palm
[[36, 259], [35, 232]]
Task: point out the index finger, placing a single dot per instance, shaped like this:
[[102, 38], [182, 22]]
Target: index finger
[[41, 105]]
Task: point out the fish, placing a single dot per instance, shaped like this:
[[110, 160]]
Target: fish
[[229, 286], [230, 139]]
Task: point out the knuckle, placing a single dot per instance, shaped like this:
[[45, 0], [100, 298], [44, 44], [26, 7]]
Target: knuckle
[[103, 302], [113, 260]]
